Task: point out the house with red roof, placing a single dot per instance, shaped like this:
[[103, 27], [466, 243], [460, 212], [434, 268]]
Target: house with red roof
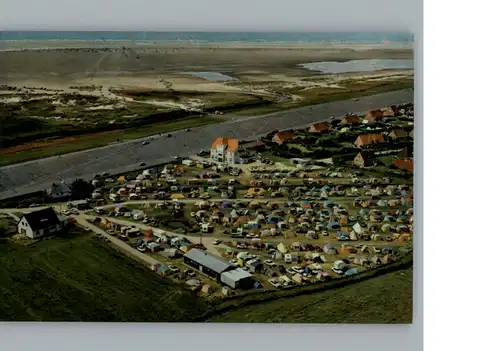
[[374, 115], [282, 137], [405, 164], [367, 140], [322, 127], [224, 150]]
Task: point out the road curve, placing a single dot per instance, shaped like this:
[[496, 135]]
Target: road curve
[[27, 177]]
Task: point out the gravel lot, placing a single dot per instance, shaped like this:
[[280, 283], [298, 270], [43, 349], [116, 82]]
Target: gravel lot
[[36, 175]]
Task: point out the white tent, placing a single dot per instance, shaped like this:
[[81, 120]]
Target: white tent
[[339, 265], [282, 248], [277, 256], [357, 228], [298, 278], [353, 236], [329, 249]]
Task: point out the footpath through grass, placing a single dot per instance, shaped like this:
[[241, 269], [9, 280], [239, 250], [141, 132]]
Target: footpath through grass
[[79, 278]]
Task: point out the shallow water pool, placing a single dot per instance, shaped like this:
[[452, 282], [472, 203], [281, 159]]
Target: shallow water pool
[[358, 65], [215, 76]]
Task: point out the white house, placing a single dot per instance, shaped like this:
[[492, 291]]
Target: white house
[[39, 223], [59, 190], [224, 150]]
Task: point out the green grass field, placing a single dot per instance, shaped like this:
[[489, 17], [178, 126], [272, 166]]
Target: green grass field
[[79, 278], [102, 139], [384, 299], [76, 277]]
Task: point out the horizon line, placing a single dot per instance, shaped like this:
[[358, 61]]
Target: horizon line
[[206, 31]]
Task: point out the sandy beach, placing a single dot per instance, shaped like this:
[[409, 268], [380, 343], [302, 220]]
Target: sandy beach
[[110, 62], [14, 45]]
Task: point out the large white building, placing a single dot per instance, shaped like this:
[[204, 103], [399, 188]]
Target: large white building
[[224, 150]]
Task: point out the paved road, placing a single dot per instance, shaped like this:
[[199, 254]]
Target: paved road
[[36, 175]]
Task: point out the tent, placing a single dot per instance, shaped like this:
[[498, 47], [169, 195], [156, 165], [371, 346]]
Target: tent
[[339, 265], [282, 248], [312, 235], [329, 204], [343, 236], [265, 233], [334, 225], [177, 196], [274, 219], [376, 260], [297, 278], [206, 289], [297, 246], [387, 228], [361, 260], [254, 204], [357, 228], [329, 249], [277, 256], [353, 236], [387, 259], [351, 271], [121, 178]]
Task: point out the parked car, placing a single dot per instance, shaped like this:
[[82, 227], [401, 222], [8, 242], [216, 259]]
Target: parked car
[[174, 269], [145, 142], [216, 242], [270, 263], [190, 273], [274, 283], [142, 164]]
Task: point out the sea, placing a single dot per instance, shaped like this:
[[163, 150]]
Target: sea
[[208, 37]]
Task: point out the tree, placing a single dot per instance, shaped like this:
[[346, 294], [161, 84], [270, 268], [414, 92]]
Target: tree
[[80, 189]]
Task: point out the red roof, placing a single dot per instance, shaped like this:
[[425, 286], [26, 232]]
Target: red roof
[[375, 115], [369, 139], [230, 144], [406, 164], [351, 120], [284, 136], [320, 127]]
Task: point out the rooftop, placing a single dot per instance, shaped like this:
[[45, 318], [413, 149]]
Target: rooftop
[[230, 144], [237, 274], [42, 219], [209, 260]]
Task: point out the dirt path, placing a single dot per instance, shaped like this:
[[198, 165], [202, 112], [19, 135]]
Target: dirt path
[[82, 220], [207, 241]]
